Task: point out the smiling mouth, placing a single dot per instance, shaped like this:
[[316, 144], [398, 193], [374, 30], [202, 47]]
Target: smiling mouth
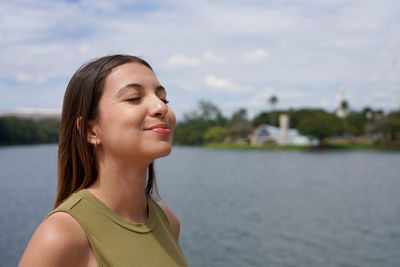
[[161, 128], [165, 131]]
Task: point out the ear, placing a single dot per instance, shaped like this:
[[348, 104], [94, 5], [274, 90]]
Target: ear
[[92, 133], [92, 136]]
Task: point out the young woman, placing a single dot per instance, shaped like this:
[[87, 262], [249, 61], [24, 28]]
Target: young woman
[[115, 122]]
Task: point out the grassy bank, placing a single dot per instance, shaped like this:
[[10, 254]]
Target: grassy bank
[[349, 147], [250, 147]]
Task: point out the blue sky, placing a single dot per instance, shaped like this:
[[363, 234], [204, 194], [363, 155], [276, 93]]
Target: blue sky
[[233, 53]]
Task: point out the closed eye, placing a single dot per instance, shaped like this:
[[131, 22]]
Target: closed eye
[[135, 99]]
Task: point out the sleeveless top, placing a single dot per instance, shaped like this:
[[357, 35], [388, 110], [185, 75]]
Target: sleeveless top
[[117, 242]]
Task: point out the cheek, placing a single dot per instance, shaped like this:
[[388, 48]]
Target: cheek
[[172, 123], [171, 119], [121, 124]]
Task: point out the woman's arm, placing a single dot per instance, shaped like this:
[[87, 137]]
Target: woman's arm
[[58, 241], [173, 220]]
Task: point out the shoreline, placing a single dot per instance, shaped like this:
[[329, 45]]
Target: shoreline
[[329, 147], [271, 147]]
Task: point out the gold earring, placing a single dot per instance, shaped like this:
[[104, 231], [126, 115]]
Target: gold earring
[[95, 143]]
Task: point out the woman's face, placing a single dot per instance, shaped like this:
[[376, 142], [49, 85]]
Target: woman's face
[[134, 120]]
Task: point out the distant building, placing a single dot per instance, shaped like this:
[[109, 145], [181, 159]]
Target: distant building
[[284, 125], [341, 112], [264, 134], [283, 135]]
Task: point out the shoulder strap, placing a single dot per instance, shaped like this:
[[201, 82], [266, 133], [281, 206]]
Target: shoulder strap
[[67, 205]]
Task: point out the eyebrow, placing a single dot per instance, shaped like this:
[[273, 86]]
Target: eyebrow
[[140, 87]]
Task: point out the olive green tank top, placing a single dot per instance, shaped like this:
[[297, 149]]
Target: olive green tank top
[[117, 242]]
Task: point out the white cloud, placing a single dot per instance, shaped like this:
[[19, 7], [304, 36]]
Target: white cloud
[[84, 48], [223, 84], [256, 55], [179, 60], [209, 56], [28, 78], [220, 83], [22, 77], [301, 44]]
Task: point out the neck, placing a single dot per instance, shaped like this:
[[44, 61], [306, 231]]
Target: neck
[[122, 189]]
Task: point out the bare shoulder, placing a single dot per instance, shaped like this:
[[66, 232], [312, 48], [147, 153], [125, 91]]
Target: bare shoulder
[[58, 241], [174, 221]]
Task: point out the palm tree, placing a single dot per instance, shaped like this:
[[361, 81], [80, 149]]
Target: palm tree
[[272, 101], [343, 109], [344, 106]]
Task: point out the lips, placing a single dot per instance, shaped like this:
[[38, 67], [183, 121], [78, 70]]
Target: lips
[[161, 128]]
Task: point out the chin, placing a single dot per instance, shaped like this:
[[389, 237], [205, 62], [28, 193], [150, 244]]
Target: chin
[[161, 151]]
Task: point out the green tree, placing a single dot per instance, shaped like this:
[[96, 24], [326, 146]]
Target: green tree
[[266, 118], [216, 134], [239, 116], [195, 124], [356, 123], [273, 100], [207, 112], [296, 116], [238, 125], [344, 105], [15, 130], [320, 126], [262, 118], [388, 128]]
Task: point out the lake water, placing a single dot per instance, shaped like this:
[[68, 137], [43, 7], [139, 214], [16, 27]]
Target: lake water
[[241, 208]]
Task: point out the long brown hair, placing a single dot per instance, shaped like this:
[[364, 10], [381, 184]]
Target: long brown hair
[[77, 165]]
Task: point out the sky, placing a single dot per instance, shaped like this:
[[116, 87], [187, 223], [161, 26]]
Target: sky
[[235, 54]]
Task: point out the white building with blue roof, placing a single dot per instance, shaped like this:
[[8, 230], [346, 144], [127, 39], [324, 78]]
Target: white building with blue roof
[[268, 134]]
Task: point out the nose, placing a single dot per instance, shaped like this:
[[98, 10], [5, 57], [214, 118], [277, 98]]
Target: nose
[[157, 107]]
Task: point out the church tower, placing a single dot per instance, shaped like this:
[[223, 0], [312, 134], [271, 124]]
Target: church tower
[[342, 104]]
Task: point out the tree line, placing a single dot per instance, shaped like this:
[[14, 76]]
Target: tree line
[[21, 131], [206, 124]]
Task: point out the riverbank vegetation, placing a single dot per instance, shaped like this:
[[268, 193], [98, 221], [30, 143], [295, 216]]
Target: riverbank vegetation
[[22, 131], [362, 129], [205, 125]]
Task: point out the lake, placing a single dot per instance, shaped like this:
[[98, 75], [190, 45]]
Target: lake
[[241, 208]]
